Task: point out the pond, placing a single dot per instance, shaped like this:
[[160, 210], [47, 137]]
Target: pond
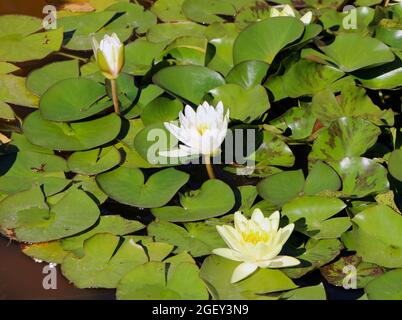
[[314, 115]]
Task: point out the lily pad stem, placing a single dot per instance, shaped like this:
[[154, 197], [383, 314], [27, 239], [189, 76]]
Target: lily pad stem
[[114, 96], [209, 167]]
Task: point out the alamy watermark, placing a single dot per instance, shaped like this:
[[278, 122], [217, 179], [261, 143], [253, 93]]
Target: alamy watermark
[[49, 22]]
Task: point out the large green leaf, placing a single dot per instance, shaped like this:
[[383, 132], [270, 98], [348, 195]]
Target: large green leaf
[[217, 271], [169, 10], [264, 39], [281, 187], [71, 136], [213, 199], [73, 99], [198, 238], [306, 293], [377, 236], [30, 218], [386, 287], [248, 73], [335, 272], [244, 104], [188, 82], [350, 52], [311, 215], [20, 41], [167, 32], [43, 78], [24, 169], [104, 262], [345, 137], [13, 90], [361, 176], [163, 281], [321, 178], [160, 110], [94, 161], [127, 186], [316, 253], [394, 164]]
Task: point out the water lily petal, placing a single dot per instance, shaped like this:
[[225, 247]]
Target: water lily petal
[[306, 19], [242, 271], [280, 262], [232, 238], [228, 254]]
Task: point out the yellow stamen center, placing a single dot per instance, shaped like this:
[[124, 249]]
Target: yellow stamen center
[[255, 237], [202, 128]]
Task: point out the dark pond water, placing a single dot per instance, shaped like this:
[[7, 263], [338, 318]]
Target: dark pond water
[[21, 277]]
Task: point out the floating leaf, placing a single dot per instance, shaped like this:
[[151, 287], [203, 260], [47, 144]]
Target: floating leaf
[[43, 78], [386, 287], [103, 263], [188, 82], [264, 39], [248, 73], [213, 199], [14, 91], [376, 236], [306, 293], [161, 110], [127, 186], [394, 164], [311, 215], [321, 178], [71, 136], [73, 99], [336, 272], [349, 52], [238, 100], [51, 252]]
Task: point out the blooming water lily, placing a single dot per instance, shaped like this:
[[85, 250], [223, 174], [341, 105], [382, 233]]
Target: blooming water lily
[[256, 242], [201, 132]]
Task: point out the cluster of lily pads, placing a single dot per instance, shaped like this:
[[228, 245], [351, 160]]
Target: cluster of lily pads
[[324, 97]]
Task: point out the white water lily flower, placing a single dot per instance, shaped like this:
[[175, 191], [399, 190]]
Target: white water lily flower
[[287, 11], [256, 242], [109, 54], [201, 132]]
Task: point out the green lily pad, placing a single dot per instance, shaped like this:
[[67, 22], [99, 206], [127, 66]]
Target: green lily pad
[[304, 78], [188, 50], [31, 220], [20, 40], [213, 199], [14, 91], [217, 271], [306, 293], [188, 82], [198, 238], [145, 96], [238, 100], [51, 252], [169, 10], [311, 215], [394, 164], [94, 161], [161, 110], [365, 272], [25, 169], [345, 137], [264, 39], [349, 52], [281, 187], [353, 102], [167, 32], [114, 224], [361, 176], [316, 254], [71, 136], [248, 73], [376, 236], [162, 281], [127, 186], [102, 266], [43, 78], [386, 287], [141, 55], [321, 178], [73, 99]]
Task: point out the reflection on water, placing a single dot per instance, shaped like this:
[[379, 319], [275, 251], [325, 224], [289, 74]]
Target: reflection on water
[[29, 7]]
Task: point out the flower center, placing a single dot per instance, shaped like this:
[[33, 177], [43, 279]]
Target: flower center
[[202, 128], [255, 236]]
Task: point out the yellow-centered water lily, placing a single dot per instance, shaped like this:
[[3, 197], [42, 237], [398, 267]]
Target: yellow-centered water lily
[[287, 11], [201, 132], [256, 242], [109, 54]]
